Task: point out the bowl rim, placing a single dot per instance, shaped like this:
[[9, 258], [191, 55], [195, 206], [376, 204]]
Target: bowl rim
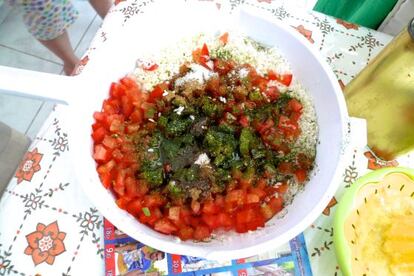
[[342, 249]]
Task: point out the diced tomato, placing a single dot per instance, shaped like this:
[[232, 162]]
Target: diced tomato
[[209, 207], [295, 116], [266, 211], [119, 184], [106, 179], [110, 142], [165, 226], [252, 198], [136, 116], [222, 67], [201, 232], [202, 56], [127, 106], [249, 218], [288, 127], [132, 128], [117, 155], [263, 127], [117, 126], [129, 82], [276, 204], [204, 51], [106, 168], [142, 187], [244, 216], [301, 175], [134, 207], [131, 187], [294, 105], [224, 38], [115, 105], [96, 125], [153, 200], [195, 206], [151, 215], [259, 192], [211, 221], [282, 188], [244, 121], [174, 213], [155, 94], [224, 220], [185, 215], [194, 221], [286, 167], [122, 202], [115, 90], [236, 196], [241, 227], [127, 146], [185, 232], [260, 82], [219, 201], [197, 55], [284, 79], [109, 108], [101, 153], [99, 134], [284, 122], [135, 96], [99, 116], [272, 93], [150, 67]]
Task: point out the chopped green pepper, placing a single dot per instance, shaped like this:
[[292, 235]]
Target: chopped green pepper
[[209, 107], [146, 211], [246, 138]]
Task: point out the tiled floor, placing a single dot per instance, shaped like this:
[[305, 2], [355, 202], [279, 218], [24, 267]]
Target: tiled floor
[[19, 49]]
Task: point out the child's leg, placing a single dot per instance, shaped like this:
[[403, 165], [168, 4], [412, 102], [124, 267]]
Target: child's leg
[[61, 47], [101, 6], [47, 21]]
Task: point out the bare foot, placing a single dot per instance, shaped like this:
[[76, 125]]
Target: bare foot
[[69, 68]]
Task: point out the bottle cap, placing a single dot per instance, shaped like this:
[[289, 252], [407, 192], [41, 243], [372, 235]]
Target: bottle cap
[[411, 28]]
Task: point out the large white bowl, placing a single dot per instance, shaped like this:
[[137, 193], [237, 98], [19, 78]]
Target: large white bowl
[[162, 25]]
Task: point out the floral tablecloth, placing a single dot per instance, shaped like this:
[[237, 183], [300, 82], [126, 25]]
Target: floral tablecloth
[[48, 226]]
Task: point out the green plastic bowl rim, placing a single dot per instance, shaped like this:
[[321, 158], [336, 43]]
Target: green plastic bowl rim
[[345, 207]]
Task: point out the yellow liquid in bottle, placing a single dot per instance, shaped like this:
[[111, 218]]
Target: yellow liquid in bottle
[[383, 94]]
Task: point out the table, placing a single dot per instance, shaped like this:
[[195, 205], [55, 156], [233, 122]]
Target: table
[[47, 225]]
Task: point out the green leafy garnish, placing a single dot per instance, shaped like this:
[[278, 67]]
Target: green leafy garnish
[[146, 211]]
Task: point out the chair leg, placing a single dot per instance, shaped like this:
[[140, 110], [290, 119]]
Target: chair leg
[[13, 146]]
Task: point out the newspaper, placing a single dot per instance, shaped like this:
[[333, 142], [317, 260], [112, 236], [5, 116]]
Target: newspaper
[[126, 256]]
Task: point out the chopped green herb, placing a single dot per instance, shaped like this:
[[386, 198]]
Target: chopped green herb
[[150, 113], [146, 211]]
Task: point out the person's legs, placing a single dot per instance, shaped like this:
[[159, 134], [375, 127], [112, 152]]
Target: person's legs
[[101, 6], [48, 21], [61, 47]]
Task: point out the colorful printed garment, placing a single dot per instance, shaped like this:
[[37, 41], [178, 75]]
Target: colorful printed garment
[[46, 19]]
